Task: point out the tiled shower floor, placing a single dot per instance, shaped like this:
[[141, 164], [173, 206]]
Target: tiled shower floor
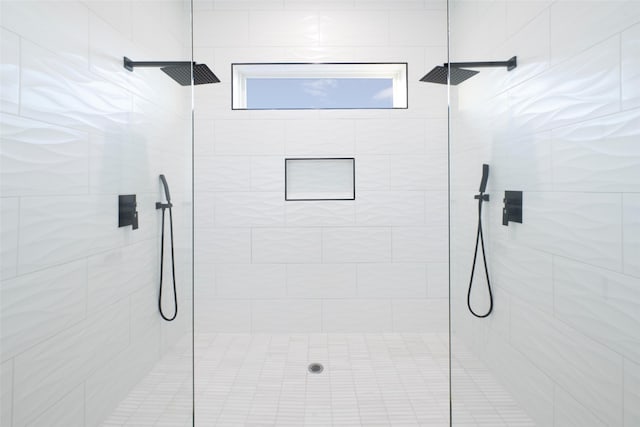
[[262, 380]]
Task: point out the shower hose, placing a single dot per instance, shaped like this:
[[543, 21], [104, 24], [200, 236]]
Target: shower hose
[[165, 206], [480, 242]]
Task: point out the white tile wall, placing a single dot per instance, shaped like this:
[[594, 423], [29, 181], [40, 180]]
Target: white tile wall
[[284, 316], [631, 67], [321, 280], [9, 215], [356, 245], [364, 315], [631, 234], [392, 280], [6, 391], [561, 127], [79, 294], [325, 247], [38, 305], [631, 393], [10, 57]]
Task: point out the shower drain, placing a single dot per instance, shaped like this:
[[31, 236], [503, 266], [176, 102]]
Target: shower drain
[[316, 368]]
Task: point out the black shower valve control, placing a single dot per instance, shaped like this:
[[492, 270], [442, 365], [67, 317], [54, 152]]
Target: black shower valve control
[[512, 210], [127, 211]]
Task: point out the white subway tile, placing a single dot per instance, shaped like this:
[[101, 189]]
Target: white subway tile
[[9, 71], [249, 208], [631, 234], [390, 208], [419, 244], [419, 172], [285, 316], [438, 280], [361, 315], [221, 28], [598, 155], [321, 280], [314, 138], [223, 245], [223, 315], [40, 159], [249, 137], [6, 392], [354, 28], [569, 358], [247, 281], [302, 213], [9, 217], [601, 304], [392, 281], [583, 226], [372, 173], [568, 412], [418, 28], [391, 136], [267, 174], [631, 393], [347, 245], [223, 173], [283, 28], [58, 365], [286, 245], [631, 67], [421, 315], [38, 305], [69, 411]]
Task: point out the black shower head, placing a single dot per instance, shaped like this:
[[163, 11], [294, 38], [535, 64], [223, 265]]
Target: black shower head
[[439, 75], [182, 74], [180, 71], [459, 73]]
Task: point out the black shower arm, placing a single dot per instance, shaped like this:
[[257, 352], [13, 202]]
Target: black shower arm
[[510, 64], [129, 64]]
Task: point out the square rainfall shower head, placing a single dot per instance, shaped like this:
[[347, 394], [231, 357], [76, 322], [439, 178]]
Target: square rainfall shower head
[[182, 74], [439, 75]]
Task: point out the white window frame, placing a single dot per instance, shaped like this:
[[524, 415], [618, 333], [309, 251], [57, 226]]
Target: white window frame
[[397, 71]]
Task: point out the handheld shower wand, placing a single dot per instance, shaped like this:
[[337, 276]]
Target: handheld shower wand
[[481, 197], [165, 206]]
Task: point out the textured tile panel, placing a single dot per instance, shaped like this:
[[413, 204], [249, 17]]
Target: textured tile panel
[[631, 234], [40, 159], [602, 304], [9, 216], [583, 226], [345, 245], [286, 245], [9, 71], [38, 305]]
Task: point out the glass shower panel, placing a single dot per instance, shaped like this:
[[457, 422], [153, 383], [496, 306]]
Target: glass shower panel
[[561, 346], [82, 342]]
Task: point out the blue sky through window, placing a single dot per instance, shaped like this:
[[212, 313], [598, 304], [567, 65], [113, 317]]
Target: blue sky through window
[[300, 93]]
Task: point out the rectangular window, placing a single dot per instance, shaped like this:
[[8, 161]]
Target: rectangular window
[[319, 86], [319, 179]]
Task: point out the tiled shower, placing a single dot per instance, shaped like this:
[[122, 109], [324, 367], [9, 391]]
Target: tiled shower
[[375, 288]]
